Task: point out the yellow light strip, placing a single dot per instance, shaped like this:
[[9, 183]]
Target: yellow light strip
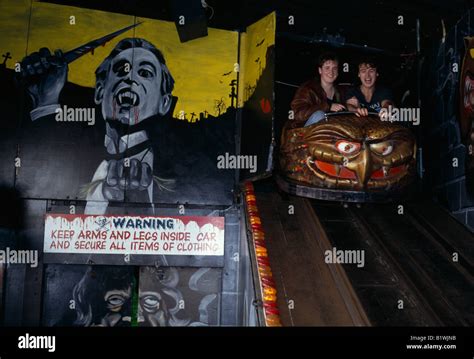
[[267, 285]]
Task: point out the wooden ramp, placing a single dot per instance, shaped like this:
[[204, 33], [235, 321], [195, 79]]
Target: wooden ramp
[[310, 292], [418, 268]]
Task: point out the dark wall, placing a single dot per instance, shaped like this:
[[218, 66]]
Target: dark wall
[[440, 125]]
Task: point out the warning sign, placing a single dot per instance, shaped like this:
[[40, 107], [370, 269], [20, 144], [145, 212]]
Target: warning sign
[[183, 235]]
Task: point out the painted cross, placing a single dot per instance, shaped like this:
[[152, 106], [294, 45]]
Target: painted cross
[[7, 57]]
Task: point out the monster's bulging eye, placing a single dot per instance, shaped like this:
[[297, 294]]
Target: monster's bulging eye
[[115, 301], [150, 303], [347, 148], [382, 148]]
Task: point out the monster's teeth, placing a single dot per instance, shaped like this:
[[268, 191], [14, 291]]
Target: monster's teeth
[[338, 169], [385, 171]]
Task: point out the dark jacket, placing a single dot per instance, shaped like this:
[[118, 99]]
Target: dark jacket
[[309, 98]]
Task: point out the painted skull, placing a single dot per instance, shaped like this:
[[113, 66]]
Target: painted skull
[[350, 153], [466, 118]]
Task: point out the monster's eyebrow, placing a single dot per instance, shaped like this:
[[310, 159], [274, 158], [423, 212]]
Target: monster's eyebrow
[[148, 63]]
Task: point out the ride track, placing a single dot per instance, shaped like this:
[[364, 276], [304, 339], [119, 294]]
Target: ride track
[[410, 276]]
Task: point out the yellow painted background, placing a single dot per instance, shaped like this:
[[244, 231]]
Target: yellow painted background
[[198, 66], [14, 17], [250, 69]]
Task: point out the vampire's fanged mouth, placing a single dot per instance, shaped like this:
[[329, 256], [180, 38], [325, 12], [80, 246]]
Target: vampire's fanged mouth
[[127, 98]]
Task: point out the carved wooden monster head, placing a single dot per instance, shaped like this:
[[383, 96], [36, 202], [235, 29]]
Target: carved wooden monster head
[[350, 153], [466, 115]]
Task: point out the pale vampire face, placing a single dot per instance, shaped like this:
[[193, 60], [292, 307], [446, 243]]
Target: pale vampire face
[[131, 91]]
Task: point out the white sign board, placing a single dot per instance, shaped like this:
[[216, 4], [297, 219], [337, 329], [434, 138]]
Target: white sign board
[[114, 234]]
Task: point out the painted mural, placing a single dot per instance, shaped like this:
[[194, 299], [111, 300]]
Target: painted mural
[[114, 108], [86, 296], [113, 296], [466, 115], [109, 111], [184, 297], [110, 107], [257, 58], [447, 132]]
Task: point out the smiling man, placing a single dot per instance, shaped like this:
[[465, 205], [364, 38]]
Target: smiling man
[[368, 96], [320, 95]]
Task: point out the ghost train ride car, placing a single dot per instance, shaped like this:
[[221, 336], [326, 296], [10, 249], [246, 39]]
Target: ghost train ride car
[[347, 158]]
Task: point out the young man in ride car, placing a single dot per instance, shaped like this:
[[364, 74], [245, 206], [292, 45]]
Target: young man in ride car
[[368, 96], [320, 95]]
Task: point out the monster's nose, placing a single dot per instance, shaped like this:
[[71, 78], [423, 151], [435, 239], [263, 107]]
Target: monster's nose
[[362, 165], [364, 169]]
